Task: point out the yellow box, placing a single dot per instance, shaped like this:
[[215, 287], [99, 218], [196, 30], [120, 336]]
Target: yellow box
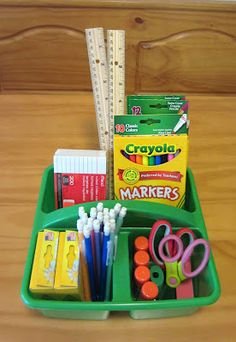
[[44, 265], [68, 274], [151, 168]]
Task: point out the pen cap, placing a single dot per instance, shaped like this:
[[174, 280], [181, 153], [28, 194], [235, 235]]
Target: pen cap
[[106, 211], [141, 258], [149, 291], [106, 219], [96, 226], [141, 275], [117, 208], [90, 223], [80, 225], [112, 225], [84, 218], [112, 214], [107, 229], [86, 231], [123, 212], [141, 243], [100, 216], [81, 211], [93, 212], [100, 207]]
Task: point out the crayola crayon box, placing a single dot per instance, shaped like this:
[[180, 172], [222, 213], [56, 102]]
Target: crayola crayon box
[[68, 270], [149, 162], [156, 104]]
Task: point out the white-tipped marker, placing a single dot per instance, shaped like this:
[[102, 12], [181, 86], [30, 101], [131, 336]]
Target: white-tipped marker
[[90, 223], [112, 214], [180, 123], [84, 218], [100, 216], [86, 231], [105, 211], [93, 212], [112, 225], [107, 229], [123, 212], [80, 225], [96, 226], [81, 211], [106, 218], [117, 208], [120, 219], [100, 207]]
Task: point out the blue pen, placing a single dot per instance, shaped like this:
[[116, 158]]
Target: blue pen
[[110, 259], [89, 259], [100, 219], [97, 243], [106, 238]]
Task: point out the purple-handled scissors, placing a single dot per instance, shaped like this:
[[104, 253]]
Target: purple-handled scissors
[[175, 264]]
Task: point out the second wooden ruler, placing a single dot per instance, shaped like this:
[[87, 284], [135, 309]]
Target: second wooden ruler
[[108, 81]]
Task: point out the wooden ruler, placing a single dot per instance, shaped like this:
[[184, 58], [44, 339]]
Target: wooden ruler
[[116, 77], [116, 89], [108, 84], [99, 76]]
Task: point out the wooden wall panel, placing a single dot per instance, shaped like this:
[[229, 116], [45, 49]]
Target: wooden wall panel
[[200, 60], [45, 58], [43, 48]]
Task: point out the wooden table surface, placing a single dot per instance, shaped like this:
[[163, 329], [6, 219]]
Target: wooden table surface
[[32, 128]]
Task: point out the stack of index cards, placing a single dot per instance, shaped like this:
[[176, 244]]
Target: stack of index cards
[[79, 176]]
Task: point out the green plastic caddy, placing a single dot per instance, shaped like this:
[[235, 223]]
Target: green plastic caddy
[[140, 217]]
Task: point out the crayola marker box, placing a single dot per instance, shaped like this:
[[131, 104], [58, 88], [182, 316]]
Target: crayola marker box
[[148, 166], [68, 271], [44, 265]]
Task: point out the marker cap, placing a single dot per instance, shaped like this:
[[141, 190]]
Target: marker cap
[[141, 275], [141, 258], [149, 291], [141, 243]]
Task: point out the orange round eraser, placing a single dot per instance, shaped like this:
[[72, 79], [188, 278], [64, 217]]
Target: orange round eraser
[[141, 243], [149, 291], [142, 274], [141, 258]]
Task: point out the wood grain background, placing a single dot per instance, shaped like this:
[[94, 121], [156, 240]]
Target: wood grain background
[[32, 128], [172, 46], [168, 49]]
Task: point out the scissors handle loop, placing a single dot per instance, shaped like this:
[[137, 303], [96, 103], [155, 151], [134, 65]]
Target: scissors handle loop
[[178, 252], [187, 255], [185, 232], [159, 229]]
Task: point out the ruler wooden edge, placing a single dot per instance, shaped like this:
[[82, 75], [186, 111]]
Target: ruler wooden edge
[[99, 77], [116, 89], [108, 83]]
